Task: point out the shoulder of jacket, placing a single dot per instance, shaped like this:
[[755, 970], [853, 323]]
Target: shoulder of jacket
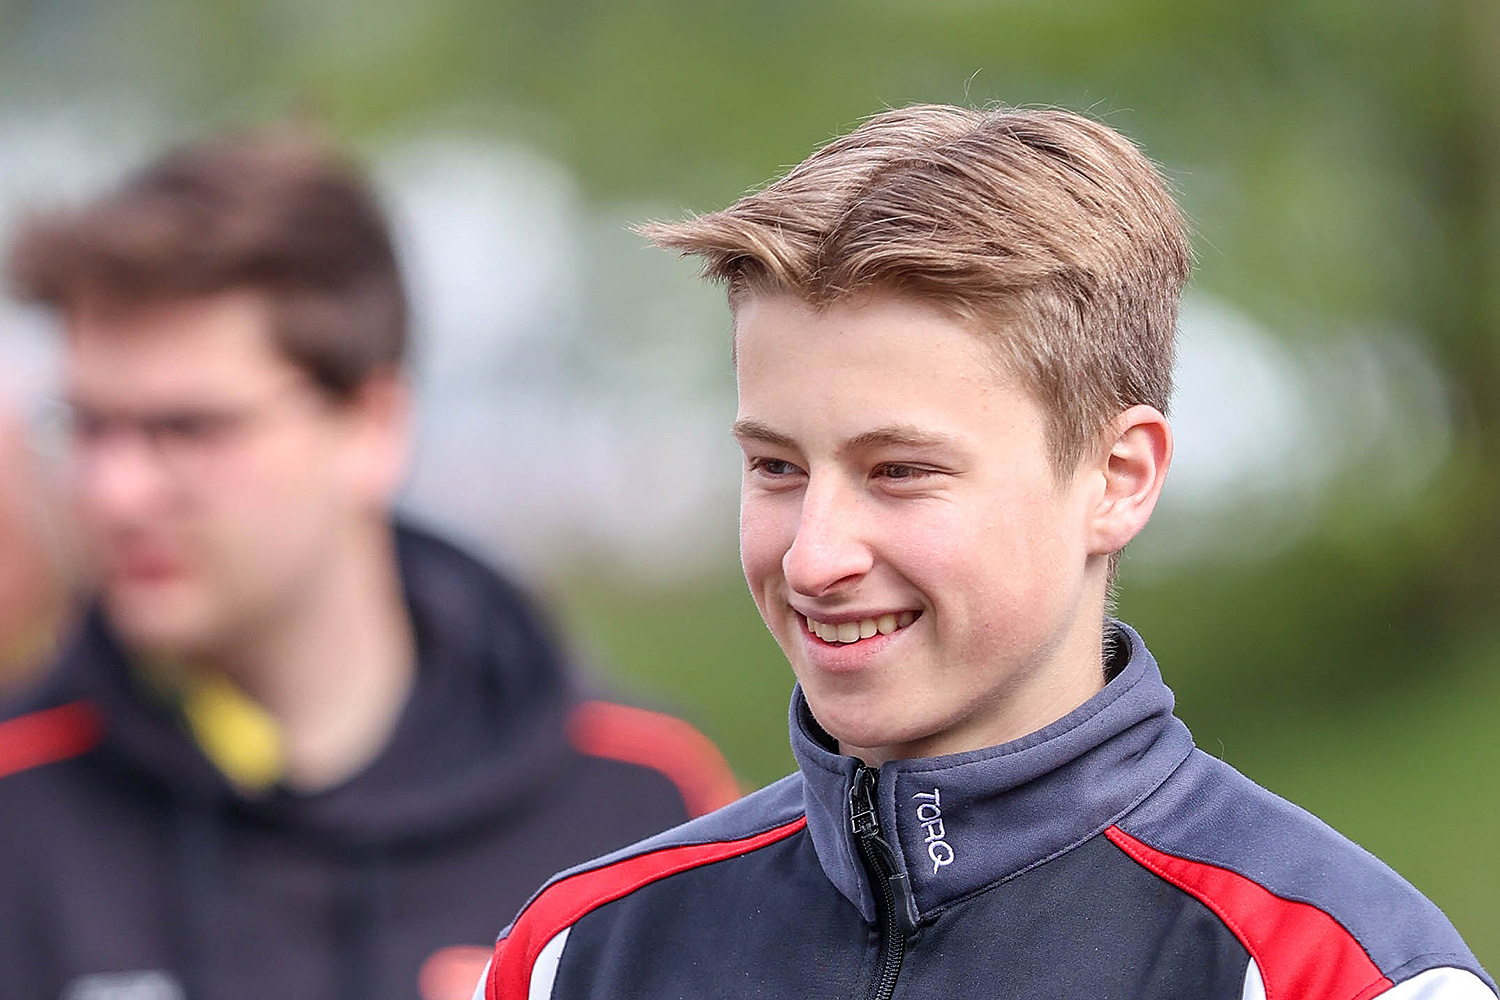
[[659, 742], [1310, 905], [771, 808], [759, 820], [47, 734]]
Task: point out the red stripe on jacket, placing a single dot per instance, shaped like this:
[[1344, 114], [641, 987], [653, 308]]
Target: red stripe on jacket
[[663, 743], [1301, 951], [50, 735], [563, 903]]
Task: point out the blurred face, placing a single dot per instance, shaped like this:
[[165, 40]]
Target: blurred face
[[214, 484], [906, 539]]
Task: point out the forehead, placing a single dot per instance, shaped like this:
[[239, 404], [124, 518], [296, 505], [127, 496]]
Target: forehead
[[889, 343], [878, 373], [879, 318], [212, 346]]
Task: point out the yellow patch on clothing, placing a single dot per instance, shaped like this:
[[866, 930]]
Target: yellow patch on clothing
[[234, 731]]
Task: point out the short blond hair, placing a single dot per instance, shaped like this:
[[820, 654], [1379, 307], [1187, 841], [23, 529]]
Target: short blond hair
[[1047, 229]]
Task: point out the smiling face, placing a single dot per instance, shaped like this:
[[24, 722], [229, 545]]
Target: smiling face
[[936, 586]]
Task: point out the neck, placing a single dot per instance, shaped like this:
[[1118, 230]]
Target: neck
[[336, 666]]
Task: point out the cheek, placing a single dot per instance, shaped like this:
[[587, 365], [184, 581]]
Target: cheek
[[939, 549], [767, 528], [285, 488], [983, 566], [1029, 579]]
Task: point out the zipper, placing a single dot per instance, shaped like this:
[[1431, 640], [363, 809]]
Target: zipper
[[897, 911]]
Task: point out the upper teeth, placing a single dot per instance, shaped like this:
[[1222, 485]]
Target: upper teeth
[[862, 629]]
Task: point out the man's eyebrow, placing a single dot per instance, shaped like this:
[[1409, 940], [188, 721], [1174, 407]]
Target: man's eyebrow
[[896, 435], [754, 430], [899, 436]]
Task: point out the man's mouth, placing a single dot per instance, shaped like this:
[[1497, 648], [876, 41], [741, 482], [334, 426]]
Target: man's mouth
[[865, 628], [146, 567]]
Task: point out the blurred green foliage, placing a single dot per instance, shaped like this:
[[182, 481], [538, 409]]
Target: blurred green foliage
[[1341, 162]]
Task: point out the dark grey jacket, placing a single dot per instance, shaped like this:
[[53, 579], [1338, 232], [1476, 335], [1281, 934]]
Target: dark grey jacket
[[1101, 857]]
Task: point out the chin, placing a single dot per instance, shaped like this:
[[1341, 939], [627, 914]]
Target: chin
[[158, 627], [864, 722]]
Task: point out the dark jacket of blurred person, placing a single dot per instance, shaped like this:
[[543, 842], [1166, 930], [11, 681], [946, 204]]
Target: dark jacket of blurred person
[[132, 859], [295, 750]]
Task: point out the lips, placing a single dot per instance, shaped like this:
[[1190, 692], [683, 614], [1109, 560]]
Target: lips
[[147, 567]]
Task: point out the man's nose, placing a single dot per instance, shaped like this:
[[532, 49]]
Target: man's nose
[[829, 550]]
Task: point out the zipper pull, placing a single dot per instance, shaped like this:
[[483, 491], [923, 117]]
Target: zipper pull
[[864, 821]]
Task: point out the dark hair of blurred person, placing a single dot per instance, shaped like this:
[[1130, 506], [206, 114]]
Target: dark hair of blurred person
[[297, 749]]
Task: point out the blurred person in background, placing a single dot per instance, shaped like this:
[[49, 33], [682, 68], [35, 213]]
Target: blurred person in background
[[296, 749], [953, 340]]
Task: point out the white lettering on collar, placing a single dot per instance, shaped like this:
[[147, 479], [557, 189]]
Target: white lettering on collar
[[930, 815]]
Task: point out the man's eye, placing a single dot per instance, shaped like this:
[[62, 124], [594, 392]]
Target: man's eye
[[774, 467], [896, 470], [87, 427], [191, 427]]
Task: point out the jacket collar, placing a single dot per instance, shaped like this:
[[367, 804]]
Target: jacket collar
[[966, 821]]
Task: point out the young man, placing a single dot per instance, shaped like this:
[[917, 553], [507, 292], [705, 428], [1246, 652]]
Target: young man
[[954, 336], [296, 751]]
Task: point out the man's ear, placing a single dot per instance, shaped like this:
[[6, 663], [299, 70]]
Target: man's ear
[[1133, 462]]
